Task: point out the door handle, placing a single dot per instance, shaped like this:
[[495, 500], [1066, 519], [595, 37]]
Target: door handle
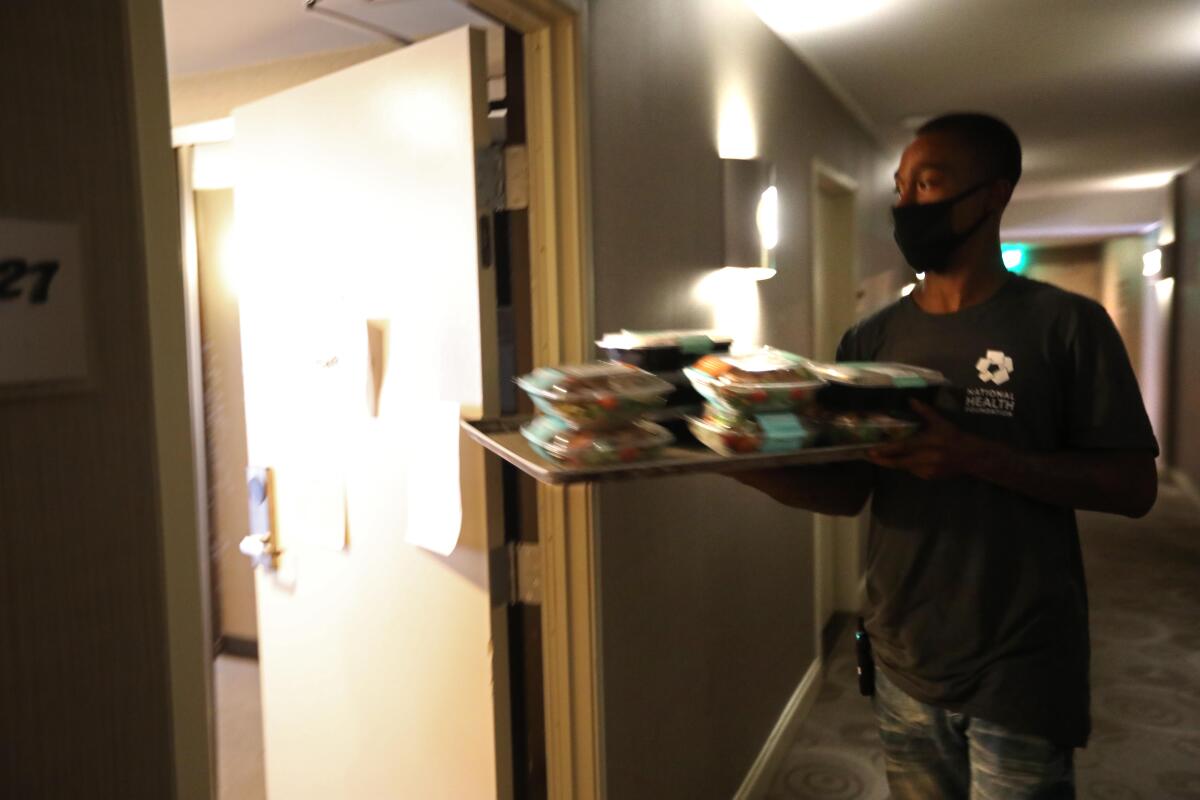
[[261, 551], [260, 545]]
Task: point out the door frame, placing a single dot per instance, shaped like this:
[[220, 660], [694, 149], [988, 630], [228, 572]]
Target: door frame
[[553, 34], [832, 544], [561, 277], [174, 484]]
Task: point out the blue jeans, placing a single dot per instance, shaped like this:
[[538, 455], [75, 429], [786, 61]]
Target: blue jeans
[[935, 754]]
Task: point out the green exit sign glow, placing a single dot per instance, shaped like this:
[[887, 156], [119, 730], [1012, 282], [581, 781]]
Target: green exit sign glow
[[1014, 257]]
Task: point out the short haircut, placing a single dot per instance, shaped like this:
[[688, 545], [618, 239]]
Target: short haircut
[[991, 139]]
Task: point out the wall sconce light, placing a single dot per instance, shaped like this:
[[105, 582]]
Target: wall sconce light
[[1152, 262], [1159, 264], [751, 224]]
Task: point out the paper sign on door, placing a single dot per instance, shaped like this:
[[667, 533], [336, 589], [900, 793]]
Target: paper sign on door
[[434, 486], [42, 332]]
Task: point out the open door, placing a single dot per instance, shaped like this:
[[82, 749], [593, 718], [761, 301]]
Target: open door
[[368, 327]]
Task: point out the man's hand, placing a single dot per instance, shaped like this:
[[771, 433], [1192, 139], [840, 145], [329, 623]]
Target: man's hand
[[1114, 481], [941, 450]]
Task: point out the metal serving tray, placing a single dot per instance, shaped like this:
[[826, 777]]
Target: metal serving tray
[[503, 437]]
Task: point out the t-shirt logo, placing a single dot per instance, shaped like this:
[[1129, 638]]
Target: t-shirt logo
[[995, 367]]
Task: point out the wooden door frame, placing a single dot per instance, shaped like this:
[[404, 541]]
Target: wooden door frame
[[560, 272], [177, 495], [553, 32]]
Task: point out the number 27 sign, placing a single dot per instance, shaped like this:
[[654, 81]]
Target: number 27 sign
[[42, 330]]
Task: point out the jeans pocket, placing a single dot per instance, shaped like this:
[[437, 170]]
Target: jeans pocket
[[1009, 763]]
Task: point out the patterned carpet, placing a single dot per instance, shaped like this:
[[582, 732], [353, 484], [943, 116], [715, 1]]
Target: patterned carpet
[[1144, 585]]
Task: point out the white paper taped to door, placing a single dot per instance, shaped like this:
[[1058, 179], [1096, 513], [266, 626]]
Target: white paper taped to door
[[434, 488]]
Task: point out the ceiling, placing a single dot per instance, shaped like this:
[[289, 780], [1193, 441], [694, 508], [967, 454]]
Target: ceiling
[[1105, 94], [210, 35]]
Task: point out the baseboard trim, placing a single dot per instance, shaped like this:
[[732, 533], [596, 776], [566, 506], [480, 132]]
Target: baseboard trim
[[235, 646], [758, 779]]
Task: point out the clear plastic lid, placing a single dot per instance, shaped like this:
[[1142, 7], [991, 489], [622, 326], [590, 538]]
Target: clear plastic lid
[[776, 423], [879, 375], [764, 368], [558, 438], [593, 381], [697, 341]]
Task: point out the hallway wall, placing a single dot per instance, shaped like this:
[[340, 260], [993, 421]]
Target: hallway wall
[[1124, 290], [1076, 268], [1110, 273], [707, 586], [83, 627], [234, 610], [1185, 367]]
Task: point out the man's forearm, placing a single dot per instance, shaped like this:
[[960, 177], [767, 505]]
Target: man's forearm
[[1113, 482], [839, 489]]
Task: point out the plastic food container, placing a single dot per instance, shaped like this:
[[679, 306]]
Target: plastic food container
[[855, 428], [762, 381], [683, 394], [721, 415], [661, 351], [597, 396], [877, 387], [555, 440], [768, 433]]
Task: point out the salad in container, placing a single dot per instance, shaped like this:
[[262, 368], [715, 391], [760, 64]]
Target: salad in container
[[555, 440], [730, 435], [761, 381], [596, 396], [877, 386]]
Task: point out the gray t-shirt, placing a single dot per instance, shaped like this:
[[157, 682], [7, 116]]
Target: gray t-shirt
[[976, 595]]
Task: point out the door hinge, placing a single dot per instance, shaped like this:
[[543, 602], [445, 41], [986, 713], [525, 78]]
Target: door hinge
[[502, 177], [516, 178], [524, 573]]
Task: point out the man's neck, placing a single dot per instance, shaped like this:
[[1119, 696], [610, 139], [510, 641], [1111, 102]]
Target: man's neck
[[969, 282]]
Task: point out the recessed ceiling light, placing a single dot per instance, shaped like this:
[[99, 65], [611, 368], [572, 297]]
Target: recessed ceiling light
[[806, 16]]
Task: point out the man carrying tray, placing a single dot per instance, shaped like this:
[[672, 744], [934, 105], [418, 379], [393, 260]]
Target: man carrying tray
[[977, 608]]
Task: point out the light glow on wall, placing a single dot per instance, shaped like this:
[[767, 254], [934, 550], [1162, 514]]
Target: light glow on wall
[[737, 135], [907, 290], [808, 16], [732, 294], [1164, 289], [768, 218], [1166, 233], [1141, 180]]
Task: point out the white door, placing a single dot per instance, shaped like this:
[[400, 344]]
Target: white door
[[368, 325]]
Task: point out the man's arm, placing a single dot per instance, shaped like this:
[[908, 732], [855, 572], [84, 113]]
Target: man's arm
[[1114, 481], [840, 489]]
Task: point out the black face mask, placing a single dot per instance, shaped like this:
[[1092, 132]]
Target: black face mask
[[925, 235]]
